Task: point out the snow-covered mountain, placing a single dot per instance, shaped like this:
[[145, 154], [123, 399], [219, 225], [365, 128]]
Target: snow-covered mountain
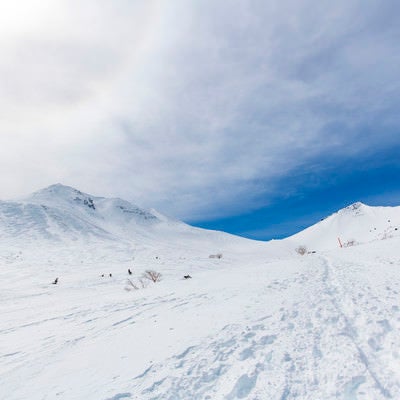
[[262, 322], [355, 224], [62, 215], [66, 227]]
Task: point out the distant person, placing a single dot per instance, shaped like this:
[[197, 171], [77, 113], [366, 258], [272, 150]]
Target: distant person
[[187, 276], [55, 281], [129, 271], [110, 275]]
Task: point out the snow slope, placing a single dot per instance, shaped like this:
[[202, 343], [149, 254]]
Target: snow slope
[[260, 323], [357, 223], [61, 215]]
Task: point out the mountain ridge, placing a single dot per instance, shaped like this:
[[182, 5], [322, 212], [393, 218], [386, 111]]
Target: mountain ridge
[[64, 214]]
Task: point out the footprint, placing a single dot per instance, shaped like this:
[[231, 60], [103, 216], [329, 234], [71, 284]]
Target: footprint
[[243, 387], [268, 339], [120, 396], [246, 353], [350, 389]]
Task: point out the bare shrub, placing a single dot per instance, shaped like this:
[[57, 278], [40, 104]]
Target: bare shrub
[[143, 283], [152, 275], [130, 286], [137, 285], [350, 243], [301, 250]]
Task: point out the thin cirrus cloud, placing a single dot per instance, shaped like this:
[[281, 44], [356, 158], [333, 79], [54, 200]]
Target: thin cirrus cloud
[[200, 109]]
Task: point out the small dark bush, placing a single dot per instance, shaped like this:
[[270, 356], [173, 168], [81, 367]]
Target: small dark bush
[[153, 276]]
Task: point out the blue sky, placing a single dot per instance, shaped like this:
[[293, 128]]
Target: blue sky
[[312, 195], [254, 117]]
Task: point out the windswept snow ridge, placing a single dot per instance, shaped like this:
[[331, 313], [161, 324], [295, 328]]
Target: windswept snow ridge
[[262, 322]]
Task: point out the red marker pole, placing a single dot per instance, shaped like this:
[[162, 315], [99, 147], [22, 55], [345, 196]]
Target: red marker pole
[[340, 243]]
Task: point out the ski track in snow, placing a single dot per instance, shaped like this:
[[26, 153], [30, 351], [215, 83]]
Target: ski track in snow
[[313, 348]]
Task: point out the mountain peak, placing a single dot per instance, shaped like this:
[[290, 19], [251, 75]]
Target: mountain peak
[[355, 208], [60, 212], [59, 195], [57, 189], [71, 199]]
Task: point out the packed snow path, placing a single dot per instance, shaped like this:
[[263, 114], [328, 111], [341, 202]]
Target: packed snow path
[[330, 342], [323, 326]]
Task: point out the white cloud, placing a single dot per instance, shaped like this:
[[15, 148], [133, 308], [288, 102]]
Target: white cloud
[[196, 108]]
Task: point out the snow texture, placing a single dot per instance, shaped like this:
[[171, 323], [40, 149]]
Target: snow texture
[[262, 322]]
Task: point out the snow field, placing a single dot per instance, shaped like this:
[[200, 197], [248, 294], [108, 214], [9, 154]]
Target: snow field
[[260, 323], [319, 326]]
